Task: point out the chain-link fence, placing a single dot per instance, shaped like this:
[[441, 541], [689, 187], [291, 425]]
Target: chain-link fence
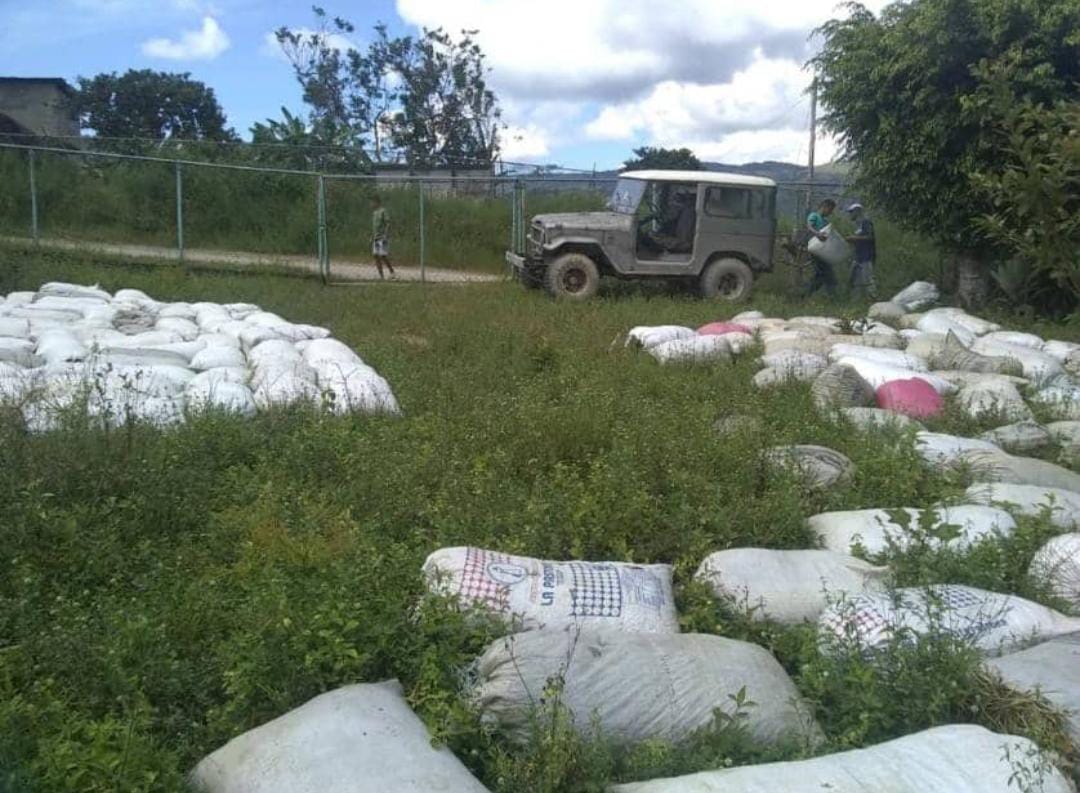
[[195, 211]]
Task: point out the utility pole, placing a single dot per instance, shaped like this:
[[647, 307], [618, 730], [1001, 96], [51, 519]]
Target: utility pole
[[813, 136]]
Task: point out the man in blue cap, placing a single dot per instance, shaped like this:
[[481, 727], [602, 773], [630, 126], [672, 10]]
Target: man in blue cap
[[862, 271]]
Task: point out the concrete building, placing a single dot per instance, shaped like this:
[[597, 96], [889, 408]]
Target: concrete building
[[37, 106]]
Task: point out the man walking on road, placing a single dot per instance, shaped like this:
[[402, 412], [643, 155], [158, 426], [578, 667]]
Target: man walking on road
[[862, 271], [380, 236], [823, 271]]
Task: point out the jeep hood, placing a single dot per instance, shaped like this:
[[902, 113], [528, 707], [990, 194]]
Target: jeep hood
[[596, 221]]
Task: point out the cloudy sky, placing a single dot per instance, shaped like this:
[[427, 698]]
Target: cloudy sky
[[582, 82]]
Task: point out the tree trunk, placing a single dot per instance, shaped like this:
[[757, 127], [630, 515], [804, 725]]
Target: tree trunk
[[972, 282]]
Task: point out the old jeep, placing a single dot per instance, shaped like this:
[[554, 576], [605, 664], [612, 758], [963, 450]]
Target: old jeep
[[712, 229]]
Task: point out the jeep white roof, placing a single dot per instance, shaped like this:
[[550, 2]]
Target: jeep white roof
[[713, 177]]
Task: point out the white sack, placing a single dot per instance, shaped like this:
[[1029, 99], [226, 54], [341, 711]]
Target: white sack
[[896, 358], [886, 312], [1037, 366], [941, 450], [647, 337], [536, 593], [1053, 668], [62, 289], [281, 388], [178, 309], [354, 389], [960, 378], [1057, 567], [184, 328], [917, 296], [226, 396], [1030, 500], [992, 399], [1019, 438], [786, 586], [945, 324], [696, 349], [976, 325], [876, 418], [330, 351], [961, 758], [225, 374], [874, 529], [1000, 467], [362, 738], [19, 352], [834, 249], [19, 298], [877, 374], [217, 357], [793, 359], [1015, 337], [16, 327], [639, 687], [817, 467], [1061, 402], [59, 346], [775, 375], [992, 623]]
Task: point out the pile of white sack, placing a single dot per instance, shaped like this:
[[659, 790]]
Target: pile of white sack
[[127, 356]]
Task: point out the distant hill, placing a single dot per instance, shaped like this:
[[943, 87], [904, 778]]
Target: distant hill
[[784, 171]]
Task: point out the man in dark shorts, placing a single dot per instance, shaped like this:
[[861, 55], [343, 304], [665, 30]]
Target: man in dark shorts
[[862, 271]]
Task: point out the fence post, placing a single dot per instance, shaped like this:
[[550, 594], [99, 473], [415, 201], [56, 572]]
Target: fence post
[[423, 263], [33, 200], [320, 230], [180, 216]]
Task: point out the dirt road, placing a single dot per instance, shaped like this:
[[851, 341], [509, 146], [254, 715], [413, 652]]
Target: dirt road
[[340, 270]]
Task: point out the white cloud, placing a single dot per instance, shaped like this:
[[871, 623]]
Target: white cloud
[[272, 48], [525, 142], [204, 44], [718, 74]]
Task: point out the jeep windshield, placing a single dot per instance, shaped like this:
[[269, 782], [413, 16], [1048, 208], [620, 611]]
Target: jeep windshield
[[627, 196]]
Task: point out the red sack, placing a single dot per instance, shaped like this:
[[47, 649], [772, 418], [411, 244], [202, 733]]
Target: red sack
[[914, 397], [720, 328]]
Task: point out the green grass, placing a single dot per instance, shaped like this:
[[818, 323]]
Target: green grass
[[163, 591]]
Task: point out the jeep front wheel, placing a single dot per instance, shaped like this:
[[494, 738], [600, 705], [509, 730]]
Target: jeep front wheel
[[573, 276], [727, 279]]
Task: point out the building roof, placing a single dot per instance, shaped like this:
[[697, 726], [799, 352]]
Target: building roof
[[714, 177], [59, 82]]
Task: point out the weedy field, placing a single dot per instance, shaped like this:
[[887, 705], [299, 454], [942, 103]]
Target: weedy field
[[163, 591]]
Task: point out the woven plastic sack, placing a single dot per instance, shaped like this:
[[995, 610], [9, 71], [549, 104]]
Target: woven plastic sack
[[1057, 567], [1017, 338], [841, 387], [229, 397], [994, 400], [18, 352], [917, 296], [867, 419], [788, 587], [817, 467], [955, 355], [976, 325], [1061, 402], [1022, 437], [913, 397], [1001, 467], [647, 337], [945, 325], [696, 349], [961, 379], [537, 593], [1036, 365], [720, 328], [992, 623], [1053, 669], [1067, 435], [877, 374], [957, 528], [834, 249], [794, 359], [897, 358], [217, 358], [943, 451], [775, 375], [62, 289], [925, 345], [886, 312], [1063, 506], [638, 687], [361, 738], [959, 758]]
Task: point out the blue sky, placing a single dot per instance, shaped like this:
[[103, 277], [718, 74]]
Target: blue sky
[[723, 77]]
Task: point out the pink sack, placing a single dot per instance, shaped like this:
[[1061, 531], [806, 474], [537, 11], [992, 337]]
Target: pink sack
[[720, 328], [915, 398]]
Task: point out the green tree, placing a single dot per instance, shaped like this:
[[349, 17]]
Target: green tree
[[291, 143], [425, 99], [148, 104], [656, 158], [899, 90]]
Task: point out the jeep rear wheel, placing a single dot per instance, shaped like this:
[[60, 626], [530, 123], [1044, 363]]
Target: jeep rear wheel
[[726, 279], [573, 276]]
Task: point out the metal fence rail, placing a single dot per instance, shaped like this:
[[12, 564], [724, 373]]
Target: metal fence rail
[[513, 189]]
